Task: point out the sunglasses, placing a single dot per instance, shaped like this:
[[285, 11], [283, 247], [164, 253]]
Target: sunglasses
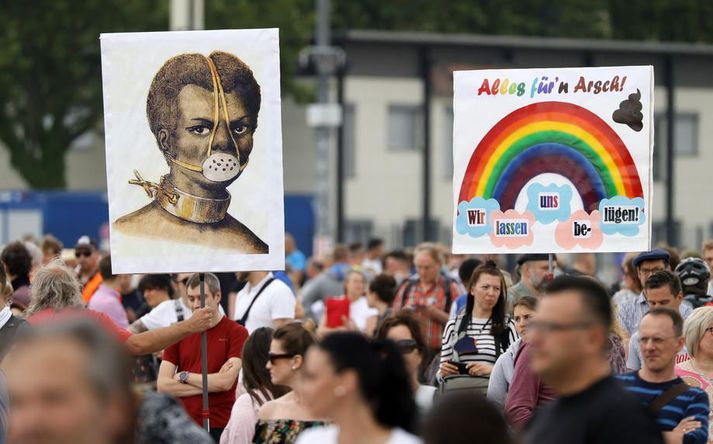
[[184, 281], [272, 357], [85, 253], [407, 346]]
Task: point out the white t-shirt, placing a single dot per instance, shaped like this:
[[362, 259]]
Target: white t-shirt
[[165, 314], [360, 312], [329, 434], [275, 302], [424, 397], [372, 266]]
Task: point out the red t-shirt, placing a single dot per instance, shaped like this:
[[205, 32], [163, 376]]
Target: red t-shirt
[[225, 341], [50, 315]]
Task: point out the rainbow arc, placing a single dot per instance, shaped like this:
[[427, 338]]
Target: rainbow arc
[[551, 137]]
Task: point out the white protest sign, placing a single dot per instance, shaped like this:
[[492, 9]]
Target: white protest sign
[[194, 150], [553, 160]]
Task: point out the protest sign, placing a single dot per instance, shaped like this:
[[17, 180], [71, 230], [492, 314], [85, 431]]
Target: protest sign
[[194, 150], [553, 160]]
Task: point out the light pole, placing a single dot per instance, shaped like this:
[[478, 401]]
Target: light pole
[[323, 116]]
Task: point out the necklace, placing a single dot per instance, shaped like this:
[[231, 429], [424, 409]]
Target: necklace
[[482, 327]]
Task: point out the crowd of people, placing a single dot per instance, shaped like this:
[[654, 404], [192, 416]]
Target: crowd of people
[[360, 346]]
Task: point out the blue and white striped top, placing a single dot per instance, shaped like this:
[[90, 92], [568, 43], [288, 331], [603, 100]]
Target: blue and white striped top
[[479, 330], [693, 402]]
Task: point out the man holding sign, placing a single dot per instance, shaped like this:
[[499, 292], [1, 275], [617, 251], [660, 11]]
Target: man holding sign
[[180, 372]]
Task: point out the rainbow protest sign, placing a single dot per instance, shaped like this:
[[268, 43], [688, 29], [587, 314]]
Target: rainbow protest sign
[[552, 160]]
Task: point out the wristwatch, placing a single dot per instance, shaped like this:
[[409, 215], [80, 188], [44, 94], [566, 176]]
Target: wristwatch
[[183, 377]]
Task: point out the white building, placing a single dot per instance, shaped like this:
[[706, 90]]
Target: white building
[[384, 89]]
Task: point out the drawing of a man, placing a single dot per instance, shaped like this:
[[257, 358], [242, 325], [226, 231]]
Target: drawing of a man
[[203, 113]]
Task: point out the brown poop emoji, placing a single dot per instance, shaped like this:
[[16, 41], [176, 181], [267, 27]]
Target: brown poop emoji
[[629, 112]]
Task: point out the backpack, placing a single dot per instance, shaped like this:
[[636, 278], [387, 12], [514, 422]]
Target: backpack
[[408, 285]]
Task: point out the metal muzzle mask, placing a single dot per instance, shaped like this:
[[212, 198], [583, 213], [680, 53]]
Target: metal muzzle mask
[[217, 167]]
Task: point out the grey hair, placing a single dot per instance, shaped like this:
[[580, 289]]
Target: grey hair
[[695, 327], [55, 287], [107, 366], [432, 250], [211, 281]]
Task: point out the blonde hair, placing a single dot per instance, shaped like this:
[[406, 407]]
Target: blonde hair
[[432, 250], [695, 327], [5, 287], [55, 287], [616, 326]]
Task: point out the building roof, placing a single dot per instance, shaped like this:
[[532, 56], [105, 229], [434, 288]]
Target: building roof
[[526, 42]]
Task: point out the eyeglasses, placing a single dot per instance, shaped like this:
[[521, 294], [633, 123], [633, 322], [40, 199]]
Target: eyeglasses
[[656, 340], [85, 253], [650, 271], [406, 346], [272, 357], [551, 327]]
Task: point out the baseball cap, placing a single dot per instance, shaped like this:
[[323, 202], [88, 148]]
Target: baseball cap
[[85, 242]]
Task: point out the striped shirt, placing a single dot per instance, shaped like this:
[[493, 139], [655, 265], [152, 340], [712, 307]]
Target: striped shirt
[[478, 329], [631, 312], [691, 403]]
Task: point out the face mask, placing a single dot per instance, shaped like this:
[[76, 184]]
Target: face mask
[[217, 167]]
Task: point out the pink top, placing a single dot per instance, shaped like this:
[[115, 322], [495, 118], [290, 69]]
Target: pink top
[[527, 391], [692, 377], [108, 301], [243, 417]]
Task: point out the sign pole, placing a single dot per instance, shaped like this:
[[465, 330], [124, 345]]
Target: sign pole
[[550, 264], [204, 360]]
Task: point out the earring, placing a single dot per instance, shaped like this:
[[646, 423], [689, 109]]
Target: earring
[[340, 391], [293, 368]]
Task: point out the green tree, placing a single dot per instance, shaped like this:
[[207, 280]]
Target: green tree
[[50, 69], [294, 18], [50, 76], [572, 18], [665, 20]]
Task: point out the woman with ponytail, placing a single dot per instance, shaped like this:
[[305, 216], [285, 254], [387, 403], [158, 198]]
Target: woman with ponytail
[[363, 386], [474, 340]]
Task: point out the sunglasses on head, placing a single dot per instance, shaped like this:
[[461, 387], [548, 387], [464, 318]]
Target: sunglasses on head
[[184, 281], [407, 346], [272, 357], [81, 253]]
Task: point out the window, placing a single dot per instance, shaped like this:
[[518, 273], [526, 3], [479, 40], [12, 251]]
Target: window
[[658, 233], [405, 130], [348, 161], [413, 231], [448, 143], [358, 230], [685, 143]]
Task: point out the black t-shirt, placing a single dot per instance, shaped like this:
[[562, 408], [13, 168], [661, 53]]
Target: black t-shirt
[[602, 414], [135, 301]]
